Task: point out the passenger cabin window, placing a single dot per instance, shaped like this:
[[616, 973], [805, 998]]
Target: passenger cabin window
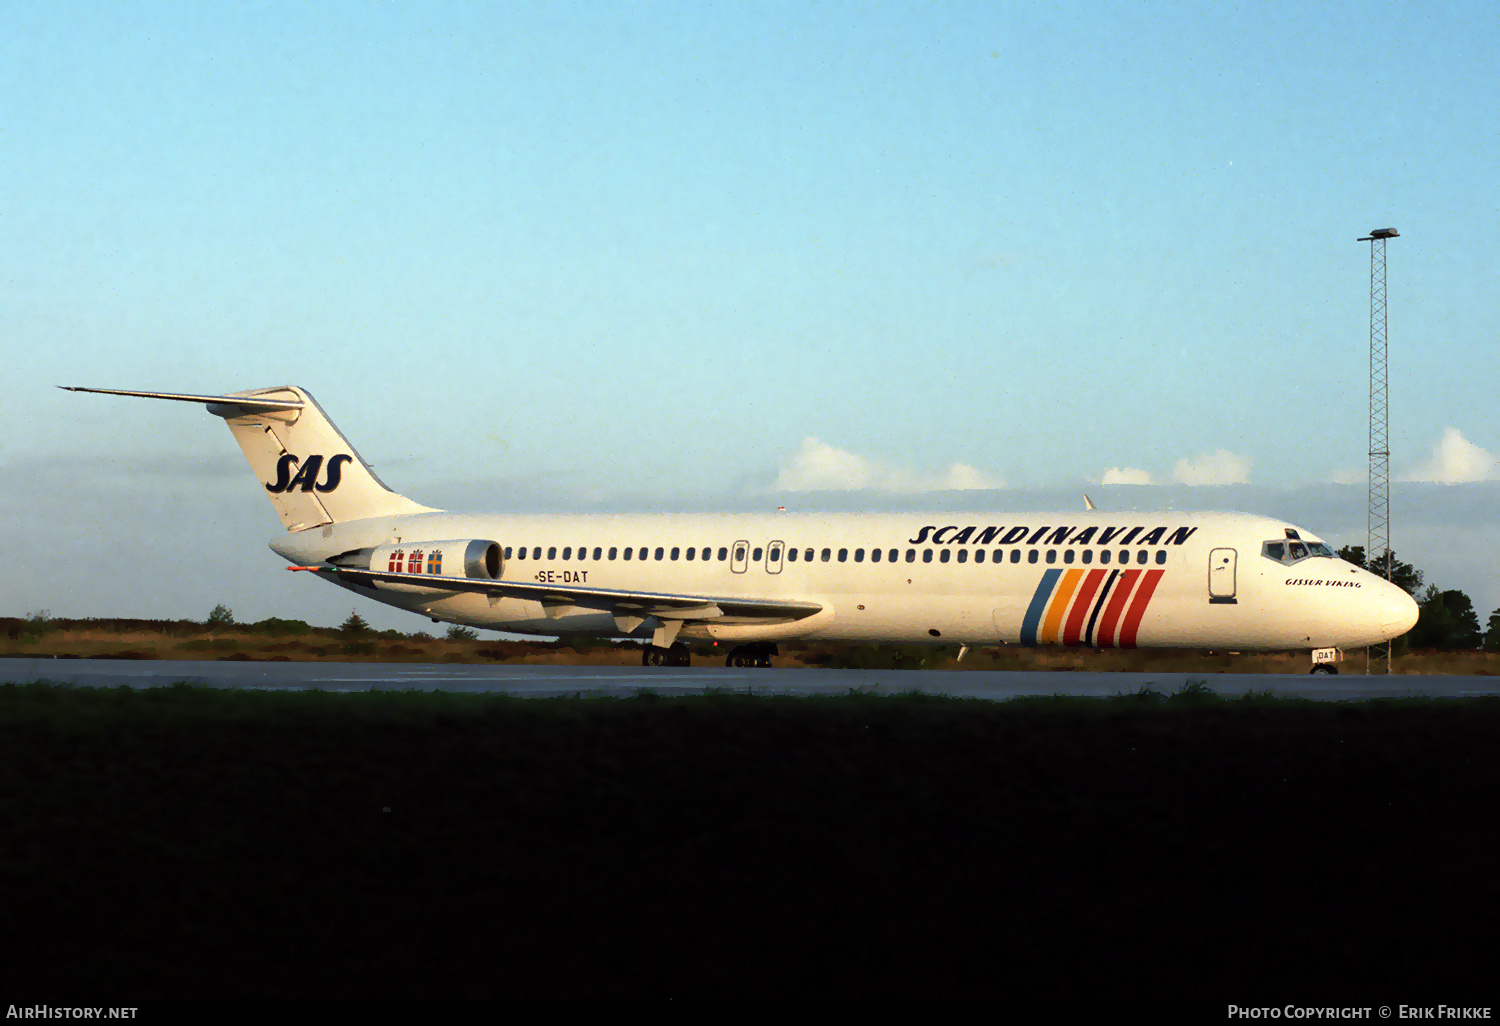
[[626, 553], [827, 555], [927, 555], [755, 555], [791, 555], [859, 555], [963, 555], [552, 552], [676, 551], [723, 553], [944, 556], [1161, 555], [874, 555], [1052, 555], [612, 552], [843, 555], [568, 552], [1031, 556], [1068, 555], [536, 553]]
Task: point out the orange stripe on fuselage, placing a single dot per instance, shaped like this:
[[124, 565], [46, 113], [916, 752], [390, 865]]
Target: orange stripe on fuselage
[[1059, 606], [1138, 607], [1117, 599], [1081, 606]]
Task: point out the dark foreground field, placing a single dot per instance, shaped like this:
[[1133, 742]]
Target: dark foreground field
[[185, 842]]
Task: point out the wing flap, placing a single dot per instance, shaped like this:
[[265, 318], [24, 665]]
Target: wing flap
[[621, 603]]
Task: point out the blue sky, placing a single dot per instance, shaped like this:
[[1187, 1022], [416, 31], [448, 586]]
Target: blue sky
[[630, 255]]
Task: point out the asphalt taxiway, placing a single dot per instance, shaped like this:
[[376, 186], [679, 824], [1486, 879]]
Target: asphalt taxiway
[[622, 681]]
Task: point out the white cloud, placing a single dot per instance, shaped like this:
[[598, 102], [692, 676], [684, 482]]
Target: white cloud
[[1220, 467], [1351, 475], [819, 467], [1126, 476], [1456, 460]]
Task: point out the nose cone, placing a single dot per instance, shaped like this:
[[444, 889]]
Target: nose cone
[[1396, 611]]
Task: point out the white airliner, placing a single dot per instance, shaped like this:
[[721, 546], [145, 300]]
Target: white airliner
[[1100, 579]]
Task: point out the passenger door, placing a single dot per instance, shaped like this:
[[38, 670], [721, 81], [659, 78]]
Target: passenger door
[[741, 557], [1222, 586]]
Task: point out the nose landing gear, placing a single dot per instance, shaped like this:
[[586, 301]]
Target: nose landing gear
[[1325, 660]]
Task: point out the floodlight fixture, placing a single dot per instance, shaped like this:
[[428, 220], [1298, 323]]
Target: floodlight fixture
[[1380, 233]]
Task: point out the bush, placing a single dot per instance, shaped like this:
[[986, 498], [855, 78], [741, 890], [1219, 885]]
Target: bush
[[278, 627], [355, 626], [222, 616], [37, 624], [457, 633]]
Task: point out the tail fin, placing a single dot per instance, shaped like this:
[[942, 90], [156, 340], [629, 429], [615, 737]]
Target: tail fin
[[310, 472]]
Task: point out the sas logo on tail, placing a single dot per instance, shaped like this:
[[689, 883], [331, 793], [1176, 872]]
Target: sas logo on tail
[[306, 477]]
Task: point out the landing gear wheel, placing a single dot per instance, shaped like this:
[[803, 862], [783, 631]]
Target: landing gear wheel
[[1324, 668], [677, 655], [755, 654]]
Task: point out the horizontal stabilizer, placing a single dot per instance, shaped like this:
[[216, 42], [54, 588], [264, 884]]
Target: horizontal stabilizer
[[233, 405]]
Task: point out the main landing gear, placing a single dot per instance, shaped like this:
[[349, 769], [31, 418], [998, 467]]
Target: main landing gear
[[677, 655], [757, 653]]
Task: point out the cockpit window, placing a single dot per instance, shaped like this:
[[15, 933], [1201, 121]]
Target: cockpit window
[[1289, 552]]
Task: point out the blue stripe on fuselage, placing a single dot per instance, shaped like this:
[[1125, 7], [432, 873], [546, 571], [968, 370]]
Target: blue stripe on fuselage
[[1038, 606]]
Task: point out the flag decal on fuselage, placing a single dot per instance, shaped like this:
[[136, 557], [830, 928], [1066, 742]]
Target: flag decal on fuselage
[[1102, 608]]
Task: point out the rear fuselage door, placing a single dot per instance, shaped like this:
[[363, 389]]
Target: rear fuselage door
[[773, 557], [741, 557], [1221, 576]]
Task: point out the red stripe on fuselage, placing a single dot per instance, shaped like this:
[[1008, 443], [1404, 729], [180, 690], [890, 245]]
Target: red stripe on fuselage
[[1138, 607], [1117, 600], [1079, 615]]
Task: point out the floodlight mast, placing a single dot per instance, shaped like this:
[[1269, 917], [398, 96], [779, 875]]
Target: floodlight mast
[[1378, 524]]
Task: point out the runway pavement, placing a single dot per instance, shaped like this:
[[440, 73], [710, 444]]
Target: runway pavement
[[623, 681]]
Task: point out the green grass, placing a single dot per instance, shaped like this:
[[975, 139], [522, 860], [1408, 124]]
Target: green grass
[[186, 841]]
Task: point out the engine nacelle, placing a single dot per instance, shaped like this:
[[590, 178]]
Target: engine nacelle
[[466, 557]]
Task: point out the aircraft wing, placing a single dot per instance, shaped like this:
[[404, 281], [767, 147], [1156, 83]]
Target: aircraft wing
[[558, 598]]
